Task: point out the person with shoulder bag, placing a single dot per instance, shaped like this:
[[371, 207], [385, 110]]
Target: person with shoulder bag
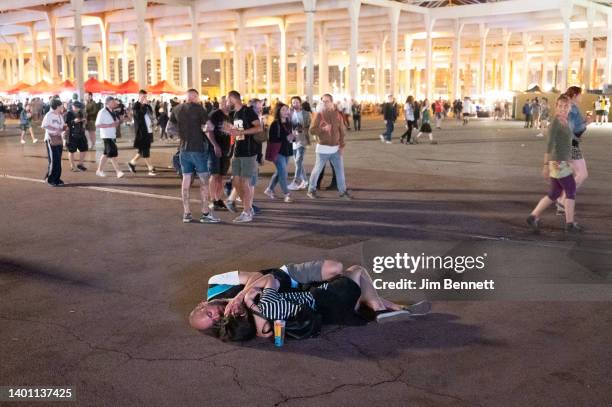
[[279, 150], [54, 126], [300, 124]]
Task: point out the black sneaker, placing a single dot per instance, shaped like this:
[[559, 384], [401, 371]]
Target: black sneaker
[[227, 188], [132, 167], [533, 223], [219, 205], [346, 196], [573, 228], [82, 167], [256, 209]]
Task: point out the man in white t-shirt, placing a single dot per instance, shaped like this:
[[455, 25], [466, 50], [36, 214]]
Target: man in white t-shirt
[[54, 126], [107, 121]]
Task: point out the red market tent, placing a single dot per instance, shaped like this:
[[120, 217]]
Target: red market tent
[[111, 86], [128, 87], [17, 88], [65, 86], [39, 88], [163, 87], [95, 86]]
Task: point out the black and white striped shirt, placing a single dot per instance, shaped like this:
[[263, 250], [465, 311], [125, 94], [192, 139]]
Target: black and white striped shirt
[[275, 305]]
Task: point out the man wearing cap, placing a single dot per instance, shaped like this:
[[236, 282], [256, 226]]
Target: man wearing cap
[[107, 121], [143, 129], [77, 140]]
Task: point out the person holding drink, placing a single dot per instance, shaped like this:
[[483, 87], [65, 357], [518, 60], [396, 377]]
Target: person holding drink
[[280, 149]]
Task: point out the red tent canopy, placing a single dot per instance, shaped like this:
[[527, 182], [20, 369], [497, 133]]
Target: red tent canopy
[[95, 86], [110, 85], [128, 86], [163, 87], [65, 86], [17, 88], [38, 88]]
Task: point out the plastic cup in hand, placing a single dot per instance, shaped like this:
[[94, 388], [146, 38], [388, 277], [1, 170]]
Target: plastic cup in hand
[[279, 333]]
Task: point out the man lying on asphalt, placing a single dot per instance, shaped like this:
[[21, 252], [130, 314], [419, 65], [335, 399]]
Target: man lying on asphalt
[[226, 292]]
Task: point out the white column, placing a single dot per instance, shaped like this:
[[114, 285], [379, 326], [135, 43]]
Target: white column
[[196, 67], [140, 7], [235, 62], [268, 68], [546, 43], [34, 61], [588, 50], [124, 58], [152, 48], [457, 59], [77, 7], [506, 59], [309, 9], [407, 64], [299, 69], [282, 26], [429, 69], [20, 65], [52, 21], [239, 44], [394, 14], [163, 59], [482, 67], [222, 83], [525, 39], [566, 13], [354, 9], [184, 81], [104, 69], [323, 67], [65, 65], [116, 67], [608, 70], [377, 70]]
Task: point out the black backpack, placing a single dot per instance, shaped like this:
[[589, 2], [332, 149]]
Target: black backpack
[[305, 324]]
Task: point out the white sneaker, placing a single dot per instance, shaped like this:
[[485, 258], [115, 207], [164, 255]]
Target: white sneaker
[[303, 186], [287, 199], [269, 193], [382, 138], [35, 141], [387, 142], [293, 186], [100, 173], [22, 141], [539, 135], [244, 218], [120, 174]]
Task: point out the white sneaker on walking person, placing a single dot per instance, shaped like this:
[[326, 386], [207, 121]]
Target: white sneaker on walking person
[[269, 193], [120, 174], [382, 138], [244, 218], [287, 199], [303, 186], [100, 173], [293, 186]]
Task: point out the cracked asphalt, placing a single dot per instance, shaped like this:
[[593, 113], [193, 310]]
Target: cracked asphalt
[[96, 284]]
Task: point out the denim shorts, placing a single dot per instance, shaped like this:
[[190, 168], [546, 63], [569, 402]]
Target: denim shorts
[[194, 161]]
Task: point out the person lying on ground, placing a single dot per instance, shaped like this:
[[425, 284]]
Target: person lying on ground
[[336, 301], [227, 290]]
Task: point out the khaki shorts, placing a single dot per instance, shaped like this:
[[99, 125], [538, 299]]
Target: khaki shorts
[[244, 166]]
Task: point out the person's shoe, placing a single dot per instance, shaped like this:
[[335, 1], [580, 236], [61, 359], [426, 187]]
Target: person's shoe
[[59, 183], [382, 138], [75, 169], [287, 199], [402, 141], [209, 218], [82, 167], [293, 186], [392, 316], [244, 218], [388, 142], [22, 141], [573, 228], [231, 206], [533, 223], [100, 173], [560, 209], [187, 218], [256, 210], [132, 167], [433, 142], [120, 174], [331, 187], [312, 195], [35, 141], [152, 172], [418, 309], [219, 205], [269, 193], [346, 196], [303, 186]]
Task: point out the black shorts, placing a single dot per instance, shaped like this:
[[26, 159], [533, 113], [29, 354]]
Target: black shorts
[[145, 151], [110, 148], [77, 143], [218, 165], [336, 302]]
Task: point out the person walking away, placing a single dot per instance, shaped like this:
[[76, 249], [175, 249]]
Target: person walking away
[[389, 112], [438, 110], [279, 149], [25, 123], [77, 140], [527, 113], [219, 159], [300, 124], [143, 133], [190, 119], [558, 170], [536, 110], [426, 125], [91, 114], [327, 126], [410, 120], [107, 121], [466, 110], [356, 111], [54, 126]]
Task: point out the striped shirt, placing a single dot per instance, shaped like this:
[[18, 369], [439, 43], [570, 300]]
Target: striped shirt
[[283, 306]]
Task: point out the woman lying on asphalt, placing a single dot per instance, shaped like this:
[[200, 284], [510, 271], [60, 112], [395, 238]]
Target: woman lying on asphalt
[[230, 288], [336, 301]]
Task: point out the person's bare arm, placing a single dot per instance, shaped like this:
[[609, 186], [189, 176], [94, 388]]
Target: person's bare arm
[[208, 128], [250, 280]]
